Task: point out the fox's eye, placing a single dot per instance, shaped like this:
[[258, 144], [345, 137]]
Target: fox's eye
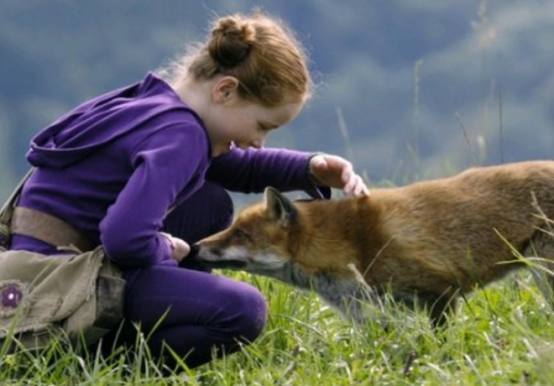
[[242, 235]]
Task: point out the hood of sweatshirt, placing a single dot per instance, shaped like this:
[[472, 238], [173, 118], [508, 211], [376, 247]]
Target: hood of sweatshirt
[[97, 122]]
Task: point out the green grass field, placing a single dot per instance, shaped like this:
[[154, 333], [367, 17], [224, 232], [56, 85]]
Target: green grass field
[[501, 335]]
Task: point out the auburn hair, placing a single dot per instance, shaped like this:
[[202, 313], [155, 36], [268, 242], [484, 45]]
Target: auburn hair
[[259, 51]]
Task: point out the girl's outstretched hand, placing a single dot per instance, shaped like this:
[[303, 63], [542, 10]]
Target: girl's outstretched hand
[[336, 172], [179, 248]]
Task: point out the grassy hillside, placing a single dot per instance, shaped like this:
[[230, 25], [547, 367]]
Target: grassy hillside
[[502, 335]]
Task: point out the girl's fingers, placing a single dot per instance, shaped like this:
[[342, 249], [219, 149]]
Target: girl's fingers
[[181, 249], [363, 189], [356, 187], [347, 174], [327, 168], [350, 185]]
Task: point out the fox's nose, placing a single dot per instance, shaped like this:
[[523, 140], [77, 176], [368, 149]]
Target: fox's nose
[[194, 248]]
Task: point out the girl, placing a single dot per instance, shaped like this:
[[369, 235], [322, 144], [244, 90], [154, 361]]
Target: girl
[[115, 166]]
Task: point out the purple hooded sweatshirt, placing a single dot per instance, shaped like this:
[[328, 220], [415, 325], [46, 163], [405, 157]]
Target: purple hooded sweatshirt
[[113, 166]]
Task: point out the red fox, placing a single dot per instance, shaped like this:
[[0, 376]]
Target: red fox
[[427, 243]]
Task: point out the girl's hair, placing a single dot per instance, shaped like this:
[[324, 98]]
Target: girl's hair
[[258, 50]]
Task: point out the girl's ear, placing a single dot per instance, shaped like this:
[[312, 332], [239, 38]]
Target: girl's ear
[[224, 89], [279, 207]]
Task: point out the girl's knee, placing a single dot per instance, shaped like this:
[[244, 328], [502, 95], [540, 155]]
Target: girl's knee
[[248, 311]]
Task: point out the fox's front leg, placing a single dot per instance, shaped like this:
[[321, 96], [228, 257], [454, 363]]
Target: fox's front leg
[[354, 301], [352, 296], [542, 247], [349, 296], [437, 305]]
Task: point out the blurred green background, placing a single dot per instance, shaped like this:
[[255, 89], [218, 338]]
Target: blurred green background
[[406, 89]]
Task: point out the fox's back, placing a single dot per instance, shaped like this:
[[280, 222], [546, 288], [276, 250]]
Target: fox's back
[[468, 215]]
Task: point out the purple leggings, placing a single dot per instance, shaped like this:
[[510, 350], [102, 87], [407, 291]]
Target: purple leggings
[[202, 311]]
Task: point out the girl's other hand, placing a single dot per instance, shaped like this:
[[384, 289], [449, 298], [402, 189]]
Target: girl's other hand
[[336, 172], [179, 248]]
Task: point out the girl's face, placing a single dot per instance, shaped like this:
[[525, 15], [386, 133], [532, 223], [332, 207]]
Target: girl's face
[[233, 120]]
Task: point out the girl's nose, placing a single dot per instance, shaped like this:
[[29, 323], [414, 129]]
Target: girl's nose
[[258, 143]]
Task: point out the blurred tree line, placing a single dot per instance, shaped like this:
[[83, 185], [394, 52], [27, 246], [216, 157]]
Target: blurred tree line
[[406, 89]]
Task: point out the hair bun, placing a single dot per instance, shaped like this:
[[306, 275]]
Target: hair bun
[[231, 41]]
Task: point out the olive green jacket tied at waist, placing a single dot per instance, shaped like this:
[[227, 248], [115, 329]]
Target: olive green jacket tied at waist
[[77, 295]]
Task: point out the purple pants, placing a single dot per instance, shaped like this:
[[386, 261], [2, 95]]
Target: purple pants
[[204, 313]]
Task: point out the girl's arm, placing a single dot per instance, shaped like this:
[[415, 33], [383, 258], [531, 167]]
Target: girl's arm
[[252, 170], [164, 164]]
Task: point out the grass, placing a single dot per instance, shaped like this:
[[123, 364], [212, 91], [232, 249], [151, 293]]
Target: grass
[[502, 335]]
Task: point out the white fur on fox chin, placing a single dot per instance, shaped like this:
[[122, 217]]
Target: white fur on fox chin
[[268, 261]]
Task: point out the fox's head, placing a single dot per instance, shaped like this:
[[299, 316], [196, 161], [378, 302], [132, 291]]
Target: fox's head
[[261, 238], [279, 237]]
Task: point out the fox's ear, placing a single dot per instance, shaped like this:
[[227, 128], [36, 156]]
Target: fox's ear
[[279, 207]]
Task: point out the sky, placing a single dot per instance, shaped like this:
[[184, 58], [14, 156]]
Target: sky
[[405, 89]]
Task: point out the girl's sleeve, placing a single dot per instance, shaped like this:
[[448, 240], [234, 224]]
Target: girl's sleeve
[[164, 163], [252, 170]]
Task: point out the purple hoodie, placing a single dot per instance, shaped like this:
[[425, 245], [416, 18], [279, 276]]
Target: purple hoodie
[[113, 166]]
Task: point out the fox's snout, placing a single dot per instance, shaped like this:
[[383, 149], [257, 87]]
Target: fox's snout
[[197, 251], [212, 257], [194, 248]]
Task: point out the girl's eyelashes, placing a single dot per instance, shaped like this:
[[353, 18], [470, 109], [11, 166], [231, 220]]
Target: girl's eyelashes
[[264, 127], [261, 127]]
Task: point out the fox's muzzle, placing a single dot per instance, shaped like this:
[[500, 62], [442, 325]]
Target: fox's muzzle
[[195, 258]]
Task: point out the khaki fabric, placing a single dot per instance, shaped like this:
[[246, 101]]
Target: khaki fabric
[[78, 295]]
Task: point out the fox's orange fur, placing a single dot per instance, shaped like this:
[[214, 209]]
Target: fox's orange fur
[[434, 239]]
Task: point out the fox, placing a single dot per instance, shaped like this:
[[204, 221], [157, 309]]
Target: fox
[[426, 244]]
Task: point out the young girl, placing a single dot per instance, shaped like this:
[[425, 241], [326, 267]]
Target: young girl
[[142, 172]]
